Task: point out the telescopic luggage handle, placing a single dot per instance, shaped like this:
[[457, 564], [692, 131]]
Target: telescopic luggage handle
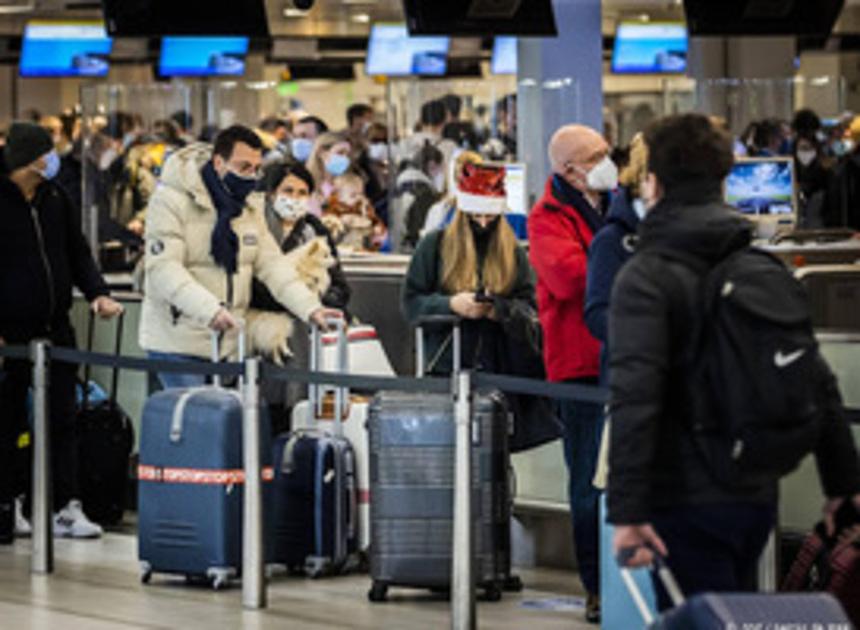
[[217, 337], [430, 320], [91, 324], [665, 574], [341, 394]]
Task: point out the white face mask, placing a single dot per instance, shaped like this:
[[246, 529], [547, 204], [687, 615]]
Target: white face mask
[[806, 157], [290, 208], [378, 152], [439, 181], [603, 177]]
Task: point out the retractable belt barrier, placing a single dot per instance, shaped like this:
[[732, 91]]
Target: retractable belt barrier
[[250, 373]]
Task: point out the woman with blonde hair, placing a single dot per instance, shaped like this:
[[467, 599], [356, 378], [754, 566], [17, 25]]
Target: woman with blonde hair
[[330, 158], [473, 268]]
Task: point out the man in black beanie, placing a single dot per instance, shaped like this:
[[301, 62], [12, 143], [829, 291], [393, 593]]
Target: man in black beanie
[[43, 254]]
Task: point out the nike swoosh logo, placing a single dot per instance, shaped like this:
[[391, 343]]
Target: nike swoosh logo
[[784, 360]]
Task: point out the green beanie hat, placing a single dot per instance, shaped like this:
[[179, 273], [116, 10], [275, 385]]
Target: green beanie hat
[[26, 143]]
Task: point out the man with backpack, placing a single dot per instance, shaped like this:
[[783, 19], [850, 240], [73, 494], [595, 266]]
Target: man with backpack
[[718, 388]]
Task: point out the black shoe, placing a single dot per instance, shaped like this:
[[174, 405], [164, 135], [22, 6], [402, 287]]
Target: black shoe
[[592, 609], [7, 523]]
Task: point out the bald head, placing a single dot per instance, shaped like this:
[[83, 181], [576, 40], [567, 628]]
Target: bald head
[[576, 145]]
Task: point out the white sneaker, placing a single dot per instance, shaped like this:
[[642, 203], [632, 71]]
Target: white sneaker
[[71, 522], [22, 525]]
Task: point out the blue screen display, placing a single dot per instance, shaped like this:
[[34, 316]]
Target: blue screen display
[[392, 52], [202, 56], [65, 49], [504, 56], [650, 48], [761, 187]]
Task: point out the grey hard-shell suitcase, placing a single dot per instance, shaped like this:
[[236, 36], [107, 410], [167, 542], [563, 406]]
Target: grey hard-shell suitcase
[[412, 438]]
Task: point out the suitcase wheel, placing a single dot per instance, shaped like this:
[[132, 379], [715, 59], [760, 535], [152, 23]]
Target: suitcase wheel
[[492, 594], [317, 567], [219, 578], [145, 572], [513, 584], [378, 593]]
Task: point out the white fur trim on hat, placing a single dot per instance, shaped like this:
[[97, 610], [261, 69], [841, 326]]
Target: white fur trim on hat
[[480, 204]]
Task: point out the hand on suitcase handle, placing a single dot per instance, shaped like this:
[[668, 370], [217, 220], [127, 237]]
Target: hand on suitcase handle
[[638, 546]]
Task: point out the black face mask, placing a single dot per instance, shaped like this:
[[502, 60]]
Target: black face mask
[[239, 187], [481, 232]]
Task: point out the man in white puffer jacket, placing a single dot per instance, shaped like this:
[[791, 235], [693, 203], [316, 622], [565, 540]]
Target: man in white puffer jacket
[[206, 240]]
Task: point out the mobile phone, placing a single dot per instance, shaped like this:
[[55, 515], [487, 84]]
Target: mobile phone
[[483, 298]]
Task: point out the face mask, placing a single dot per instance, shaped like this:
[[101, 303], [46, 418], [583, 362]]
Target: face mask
[[302, 148], [640, 208], [52, 165], [439, 182], [128, 139], [336, 164], [806, 157], [603, 177], [378, 152], [107, 159], [821, 136], [484, 231], [239, 187], [289, 208], [849, 146], [365, 128]]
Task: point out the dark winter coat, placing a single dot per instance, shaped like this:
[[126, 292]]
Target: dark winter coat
[[613, 246], [43, 255], [653, 462]]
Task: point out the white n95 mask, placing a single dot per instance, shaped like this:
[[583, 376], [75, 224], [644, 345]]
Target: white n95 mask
[[604, 176]]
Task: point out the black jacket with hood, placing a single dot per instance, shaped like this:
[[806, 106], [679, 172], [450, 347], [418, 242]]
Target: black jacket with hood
[[653, 461], [43, 255]]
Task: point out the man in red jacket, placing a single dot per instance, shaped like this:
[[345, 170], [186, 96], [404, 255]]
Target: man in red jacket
[[561, 227]]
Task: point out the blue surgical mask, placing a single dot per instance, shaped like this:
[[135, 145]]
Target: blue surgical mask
[[337, 164], [239, 187], [52, 165], [640, 208], [302, 148]]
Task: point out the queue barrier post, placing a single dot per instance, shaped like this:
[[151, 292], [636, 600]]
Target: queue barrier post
[[253, 561], [42, 558], [462, 565]]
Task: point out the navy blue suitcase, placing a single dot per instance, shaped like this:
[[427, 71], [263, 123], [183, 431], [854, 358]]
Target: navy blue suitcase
[[315, 522], [719, 611], [315, 508], [190, 483]]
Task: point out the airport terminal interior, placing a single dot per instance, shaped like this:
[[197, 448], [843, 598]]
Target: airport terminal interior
[[348, 136]]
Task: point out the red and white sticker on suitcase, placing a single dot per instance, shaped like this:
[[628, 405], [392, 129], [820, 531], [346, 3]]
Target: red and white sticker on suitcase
[[198, 476]]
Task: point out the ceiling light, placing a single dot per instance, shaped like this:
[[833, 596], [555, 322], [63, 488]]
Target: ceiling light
[[361, 18], [8, 9], [355, 2]]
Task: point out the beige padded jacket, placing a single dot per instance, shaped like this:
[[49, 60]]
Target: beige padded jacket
[[184, 288]]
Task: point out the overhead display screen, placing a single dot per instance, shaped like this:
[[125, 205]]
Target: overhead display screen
[[762, 186], [202, 56], [504, 56], [392, 52], [65, 49], [650, 48]]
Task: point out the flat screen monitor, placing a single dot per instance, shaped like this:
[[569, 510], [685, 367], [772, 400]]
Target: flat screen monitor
[[202, 56], [650, 48], [392, 52], [65, 49], [760, 187], [504, 56]]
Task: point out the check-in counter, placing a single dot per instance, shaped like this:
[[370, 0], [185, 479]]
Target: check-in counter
[[798, 254]]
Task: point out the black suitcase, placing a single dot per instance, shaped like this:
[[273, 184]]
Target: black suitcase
[[412, 440], [315, 516], [105, 441]]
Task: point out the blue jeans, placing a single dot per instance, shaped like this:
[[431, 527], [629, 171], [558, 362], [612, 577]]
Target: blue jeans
[[583, 426], [713, 548], [173, 380]]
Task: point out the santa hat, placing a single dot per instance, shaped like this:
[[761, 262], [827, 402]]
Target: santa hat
[[481, 189]]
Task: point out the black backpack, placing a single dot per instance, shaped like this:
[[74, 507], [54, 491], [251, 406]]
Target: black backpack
[[750, 368]]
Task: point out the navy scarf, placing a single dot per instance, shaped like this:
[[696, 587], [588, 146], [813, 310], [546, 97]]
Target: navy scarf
[[225, 244], [572, 197]]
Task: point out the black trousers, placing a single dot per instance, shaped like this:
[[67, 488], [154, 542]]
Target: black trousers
[[713, 548], [15, 381]]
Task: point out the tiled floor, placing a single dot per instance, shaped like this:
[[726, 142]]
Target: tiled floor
[[96, 587]]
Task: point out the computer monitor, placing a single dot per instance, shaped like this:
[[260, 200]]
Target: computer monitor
[[202, 56], [650, 48], [762, 187], [65, 49], [504, 56], [392, 52]]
